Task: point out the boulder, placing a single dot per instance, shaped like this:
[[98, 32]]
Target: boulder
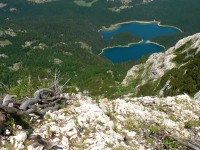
[[21, 136]]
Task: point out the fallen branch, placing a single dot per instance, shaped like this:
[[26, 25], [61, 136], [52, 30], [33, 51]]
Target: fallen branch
[[15, 111], [28, 102], [42, 101]]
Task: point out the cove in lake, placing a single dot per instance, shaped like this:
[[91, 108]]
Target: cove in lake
[[144, 30]]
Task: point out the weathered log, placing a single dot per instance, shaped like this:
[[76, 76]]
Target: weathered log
[[43, 93], [28, 102], [44, 98], [15, 111], [50, 104], [27, 112], [8, 99]]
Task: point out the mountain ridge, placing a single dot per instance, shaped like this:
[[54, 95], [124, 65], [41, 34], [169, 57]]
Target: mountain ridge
[[158, 64]]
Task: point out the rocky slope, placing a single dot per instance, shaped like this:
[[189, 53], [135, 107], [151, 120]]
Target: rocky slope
[[183, 55], [125, 124]]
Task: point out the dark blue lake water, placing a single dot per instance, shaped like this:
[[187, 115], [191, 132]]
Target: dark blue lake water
[[145, 31], [133, 52]]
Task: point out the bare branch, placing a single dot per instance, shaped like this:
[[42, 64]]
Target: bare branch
[[28, 102]]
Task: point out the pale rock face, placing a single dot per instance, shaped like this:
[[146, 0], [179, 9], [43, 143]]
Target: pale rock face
[[13, 9], [131, 134], [169, 123], [3, 56], [125, 4], [67, 53], [18, 140], [10, 32], [85, 46], [155, 67], [5, 43], [41, 1], [30, 147], [159, 63], [166, 87], [197, 96], [28, 44], [16, 66], [65, 141], [194, 38], [1, 33], [21, 136], [2, 5], [57, 61], [40, 46], [8, 132]]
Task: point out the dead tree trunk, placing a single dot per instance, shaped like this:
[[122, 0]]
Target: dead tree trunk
[[42, 101]]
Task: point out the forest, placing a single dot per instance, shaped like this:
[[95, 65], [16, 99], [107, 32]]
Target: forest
[[62, 25]]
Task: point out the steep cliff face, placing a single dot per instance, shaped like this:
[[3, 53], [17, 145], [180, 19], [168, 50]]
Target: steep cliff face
[[160, 69]]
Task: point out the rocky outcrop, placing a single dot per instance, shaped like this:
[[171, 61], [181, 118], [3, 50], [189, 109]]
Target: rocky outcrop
[[139, 122], [57, 61], [197, 96], [154, 68], [159, 63], [126, 4], [4, 43], [9, 32], [3, 56], [34, 45], [15, 66], [41, 1], [2, 5]]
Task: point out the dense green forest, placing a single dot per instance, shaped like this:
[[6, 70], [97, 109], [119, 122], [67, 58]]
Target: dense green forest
[[62, 25]]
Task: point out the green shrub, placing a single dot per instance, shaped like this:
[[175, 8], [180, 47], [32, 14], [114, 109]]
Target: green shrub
[[170, 143]]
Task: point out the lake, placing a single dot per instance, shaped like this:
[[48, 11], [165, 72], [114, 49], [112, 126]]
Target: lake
[[131, 52], [146, 31]]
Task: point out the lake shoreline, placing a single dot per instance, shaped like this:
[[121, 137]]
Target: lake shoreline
[[146, 30], [129, 44], [114, 26]]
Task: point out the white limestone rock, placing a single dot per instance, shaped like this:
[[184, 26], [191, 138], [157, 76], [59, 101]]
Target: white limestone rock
[[5, 43], [159, 63], [13, 9], [28, 44], [40, 46], [30, 147], [91, 125], [10, 32], [21, 136], [3, 56], [8, 132], [57, 61], [41, 1], [15, 66], [197, 96], [2, 5]]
